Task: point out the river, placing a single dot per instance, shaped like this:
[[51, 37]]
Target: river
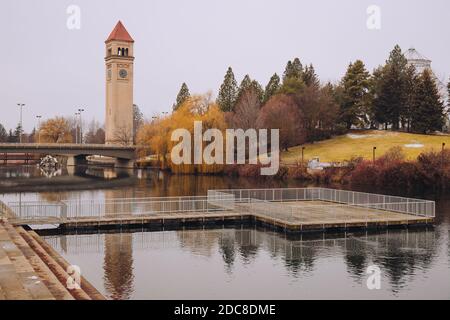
[[234, 262]]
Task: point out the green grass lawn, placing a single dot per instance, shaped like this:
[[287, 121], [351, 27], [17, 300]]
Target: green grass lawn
[[361, 143]]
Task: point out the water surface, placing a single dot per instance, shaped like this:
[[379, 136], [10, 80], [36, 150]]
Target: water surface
[[240, 262]]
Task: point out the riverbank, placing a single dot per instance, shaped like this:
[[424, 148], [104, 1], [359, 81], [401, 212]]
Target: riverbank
[[31, 179], [430, 171]]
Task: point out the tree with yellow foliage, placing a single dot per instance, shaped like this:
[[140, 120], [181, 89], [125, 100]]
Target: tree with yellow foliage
[[56, 130], [155, 136]]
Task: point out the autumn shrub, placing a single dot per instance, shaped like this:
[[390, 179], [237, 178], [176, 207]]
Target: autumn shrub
[[434, 170], [299, 173], [366, 173], [431, 171], [403, 176]]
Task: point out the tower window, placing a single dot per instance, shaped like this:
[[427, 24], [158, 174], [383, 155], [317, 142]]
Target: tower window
[[119, 51], [126, 52], [109, 52]]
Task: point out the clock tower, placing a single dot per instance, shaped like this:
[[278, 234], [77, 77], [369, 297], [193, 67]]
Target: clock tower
[[119, 87]]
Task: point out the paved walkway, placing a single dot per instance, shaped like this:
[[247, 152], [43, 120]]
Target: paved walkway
[[29, 272], [18, 279]]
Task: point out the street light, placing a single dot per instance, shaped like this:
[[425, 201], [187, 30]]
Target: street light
[[39, 128], [374, 150], [303, 155], [76, 127], [21, 105], [81, 126]]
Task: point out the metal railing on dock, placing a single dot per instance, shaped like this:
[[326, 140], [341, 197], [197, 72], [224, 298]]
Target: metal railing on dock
[[295, 205], [63, 211], [411, 206]]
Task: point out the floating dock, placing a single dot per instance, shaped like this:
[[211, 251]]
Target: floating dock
[[287, 210]]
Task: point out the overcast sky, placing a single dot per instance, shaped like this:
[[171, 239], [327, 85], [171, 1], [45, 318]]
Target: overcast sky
[[55, 70]]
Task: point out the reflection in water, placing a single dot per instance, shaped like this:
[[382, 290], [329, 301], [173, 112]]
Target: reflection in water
[[403, 256], [118, 264]]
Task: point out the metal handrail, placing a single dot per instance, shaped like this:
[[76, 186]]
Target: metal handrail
[[236, 200]]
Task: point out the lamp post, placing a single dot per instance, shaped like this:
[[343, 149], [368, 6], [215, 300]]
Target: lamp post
[[81, 126], [39, 128], [303, 156], [21, 105], [76, 127], [442, 158], [374, 151]]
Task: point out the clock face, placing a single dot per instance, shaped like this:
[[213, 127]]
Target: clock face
[[123, 73]]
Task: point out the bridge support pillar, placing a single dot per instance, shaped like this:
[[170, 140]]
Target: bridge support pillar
[[76, 161], [124, 163]]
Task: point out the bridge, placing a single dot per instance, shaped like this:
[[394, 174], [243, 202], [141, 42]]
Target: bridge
[[76, 153]]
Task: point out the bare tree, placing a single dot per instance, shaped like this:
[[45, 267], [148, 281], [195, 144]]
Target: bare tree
[[246, 111], [281, 112], [95, 133], [123, 136], [138, 120]]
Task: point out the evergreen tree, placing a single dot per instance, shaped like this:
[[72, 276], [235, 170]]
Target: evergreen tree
[[391, 99], [245, 85], [258, 89], [410, 88], [17, 133], [13, 137], [310, 77], [294, 69], [355, 94], [248, 85], [182, 96], [272, 87], [228, 92], [293, 77], [3, 134], [297, 68], [428, 111], [448, 94], [288, 71]]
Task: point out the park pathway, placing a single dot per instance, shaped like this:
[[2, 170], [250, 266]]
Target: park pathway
[[28, 271]]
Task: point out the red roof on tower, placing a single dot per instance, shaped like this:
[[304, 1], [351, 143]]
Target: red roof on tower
[[120, 34]]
